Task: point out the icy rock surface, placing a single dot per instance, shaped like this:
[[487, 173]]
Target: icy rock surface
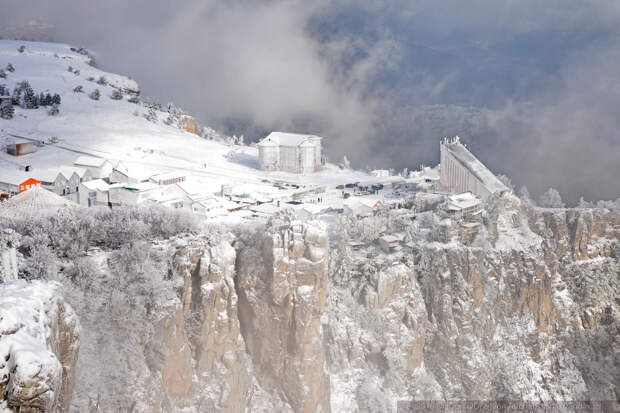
[[39, 341]]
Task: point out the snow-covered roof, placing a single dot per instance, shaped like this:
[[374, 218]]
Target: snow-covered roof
[[477, 168], [33, 201], [287, 139], [135, 172], [462, 201], [97, 185], [14, 177], [90, 161]]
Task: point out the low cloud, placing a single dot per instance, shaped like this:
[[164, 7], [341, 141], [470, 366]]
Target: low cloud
[[533, 87]]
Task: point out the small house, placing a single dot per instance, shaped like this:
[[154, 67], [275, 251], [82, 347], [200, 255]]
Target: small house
[[94, 193], [20, 148], [15, 182], [129, 175], [99, 168], [134, 194]]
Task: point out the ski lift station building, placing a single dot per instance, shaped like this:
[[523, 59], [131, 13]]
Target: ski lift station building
[[290, 152], [461, 171]]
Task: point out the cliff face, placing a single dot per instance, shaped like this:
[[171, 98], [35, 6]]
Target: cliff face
[[39, 341], [534, 316], [282, 284], [274, 320], [245, 332]]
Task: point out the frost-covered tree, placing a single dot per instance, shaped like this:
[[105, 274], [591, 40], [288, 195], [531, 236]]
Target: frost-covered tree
[[56, 100], [6, 109], [70, 69], [78, 89], [54, 110], [551, 199], [10, 67], [2, 74], [4, 91], [116, 94], [95, 95], [90, 79], [345, 162], [76, 72], [21, 48], [524, 194], [102, 81], [133, 99], [506, 181], [151, 115], [584, 204]]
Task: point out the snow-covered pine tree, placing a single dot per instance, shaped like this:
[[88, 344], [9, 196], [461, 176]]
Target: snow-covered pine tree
[[95, 95], [102, 81], [78, 89], [70, 69], [6, 110], [54, 110], [10, 67], [76, 72], [21, 48], [16, 97], [117, 94], [56, 100], [2, 74], [4, 91], [30, 99], [133, 99]]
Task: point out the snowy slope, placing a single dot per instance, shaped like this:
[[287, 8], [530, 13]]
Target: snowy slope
[[118, 130]]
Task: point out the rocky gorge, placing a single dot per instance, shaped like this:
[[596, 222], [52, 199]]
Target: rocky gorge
[[289, 317]]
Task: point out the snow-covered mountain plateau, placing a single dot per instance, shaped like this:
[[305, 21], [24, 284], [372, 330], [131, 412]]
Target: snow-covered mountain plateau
[[225, 288]]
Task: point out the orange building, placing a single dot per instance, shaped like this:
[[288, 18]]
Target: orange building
[[14, 182], [28, 183]]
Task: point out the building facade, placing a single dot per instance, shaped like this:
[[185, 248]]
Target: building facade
[[460, 171], [290, 152]]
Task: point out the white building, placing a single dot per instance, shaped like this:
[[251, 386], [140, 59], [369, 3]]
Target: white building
[[130, 175], [98, 167], [290, 152], [464, 205], [463, 172], [94, 193]]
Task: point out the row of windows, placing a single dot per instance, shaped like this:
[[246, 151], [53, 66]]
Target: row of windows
[[24, 187]]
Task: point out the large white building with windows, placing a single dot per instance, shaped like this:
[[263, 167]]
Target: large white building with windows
[[460, 171], [290, 152]]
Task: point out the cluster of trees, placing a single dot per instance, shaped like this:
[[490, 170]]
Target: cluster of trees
[[24, 95]]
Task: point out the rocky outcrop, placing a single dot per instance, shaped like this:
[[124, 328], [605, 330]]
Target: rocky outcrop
[[533, 316], [39, 341], [282, 285], [198, 342]]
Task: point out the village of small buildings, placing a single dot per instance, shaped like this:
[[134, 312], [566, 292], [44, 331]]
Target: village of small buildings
[[92, 153], [289, 167]]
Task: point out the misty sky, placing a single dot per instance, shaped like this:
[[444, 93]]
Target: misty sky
[[533, 87]]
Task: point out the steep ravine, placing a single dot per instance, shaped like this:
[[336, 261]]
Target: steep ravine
[[275, 319]]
